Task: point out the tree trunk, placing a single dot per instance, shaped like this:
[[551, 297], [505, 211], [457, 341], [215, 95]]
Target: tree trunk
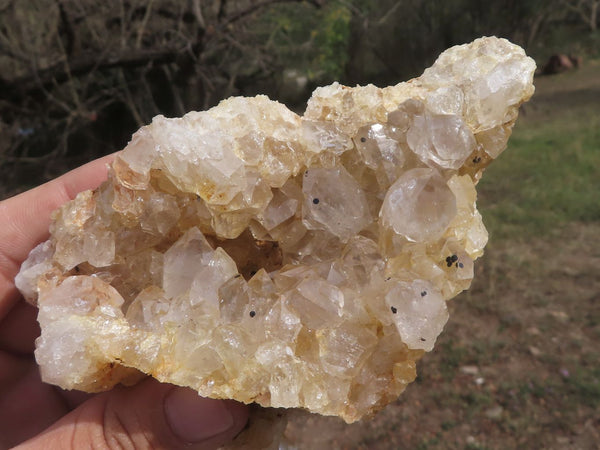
[[594, 15]]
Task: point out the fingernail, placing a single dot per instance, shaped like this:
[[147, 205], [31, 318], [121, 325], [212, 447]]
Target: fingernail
[[193, 418]]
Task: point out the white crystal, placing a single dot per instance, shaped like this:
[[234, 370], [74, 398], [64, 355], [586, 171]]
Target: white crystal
[[420, 313], [441, 140], [419, 205], [335, 202], [183, 260], [38, 263]]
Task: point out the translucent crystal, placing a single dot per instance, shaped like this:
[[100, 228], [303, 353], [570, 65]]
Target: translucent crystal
[[419, 205], [254, 254], [419, 313], [334, 201], [441, 140]]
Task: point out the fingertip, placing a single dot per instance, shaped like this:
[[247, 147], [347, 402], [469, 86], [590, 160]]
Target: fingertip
[[193, 418], [240, 414], [198, 420]]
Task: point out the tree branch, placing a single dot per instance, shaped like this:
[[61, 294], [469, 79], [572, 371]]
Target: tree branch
[[87, 63], [255, 7]]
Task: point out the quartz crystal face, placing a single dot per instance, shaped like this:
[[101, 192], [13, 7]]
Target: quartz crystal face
[[291, 261]]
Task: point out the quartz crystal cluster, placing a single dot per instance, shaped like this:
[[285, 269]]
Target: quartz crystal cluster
[[291, 261]]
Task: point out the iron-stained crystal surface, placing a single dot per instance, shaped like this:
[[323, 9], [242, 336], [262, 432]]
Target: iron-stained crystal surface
[[292, 261]]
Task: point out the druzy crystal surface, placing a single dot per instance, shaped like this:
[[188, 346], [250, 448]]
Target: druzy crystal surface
[[292, 261]]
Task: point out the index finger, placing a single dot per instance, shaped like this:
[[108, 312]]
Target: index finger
[[25, 219]]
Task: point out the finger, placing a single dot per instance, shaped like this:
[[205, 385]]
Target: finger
[[73, 398], [19, 329], [148, 415], [25, 220], [27, 406]]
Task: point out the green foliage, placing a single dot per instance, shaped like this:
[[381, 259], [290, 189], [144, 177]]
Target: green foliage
[[331, 41], [310, 41]]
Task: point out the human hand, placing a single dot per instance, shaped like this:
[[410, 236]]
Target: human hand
[[40, 416]]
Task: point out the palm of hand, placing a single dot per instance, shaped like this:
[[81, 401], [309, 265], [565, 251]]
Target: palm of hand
[[27, 405]]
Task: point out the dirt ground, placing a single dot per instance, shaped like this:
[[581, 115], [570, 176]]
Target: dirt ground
[[518, 364]]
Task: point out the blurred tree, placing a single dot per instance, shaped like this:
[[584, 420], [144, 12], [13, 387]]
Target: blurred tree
[[77, 77], [309, 46], [587, 10], [393, 39]]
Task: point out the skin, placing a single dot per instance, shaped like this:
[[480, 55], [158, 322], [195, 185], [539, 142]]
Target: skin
[[40, 416]]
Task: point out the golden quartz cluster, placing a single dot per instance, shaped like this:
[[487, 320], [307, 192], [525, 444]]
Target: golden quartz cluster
[[291, 261]]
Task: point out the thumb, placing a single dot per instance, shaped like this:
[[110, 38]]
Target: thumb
[[148, 415]]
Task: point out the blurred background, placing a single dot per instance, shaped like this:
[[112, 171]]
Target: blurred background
[[518, 365]]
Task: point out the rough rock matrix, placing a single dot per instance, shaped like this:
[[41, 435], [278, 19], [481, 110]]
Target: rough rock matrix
[[254, 254]]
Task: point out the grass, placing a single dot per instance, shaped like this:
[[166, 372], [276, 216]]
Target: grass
[[549, 176]]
